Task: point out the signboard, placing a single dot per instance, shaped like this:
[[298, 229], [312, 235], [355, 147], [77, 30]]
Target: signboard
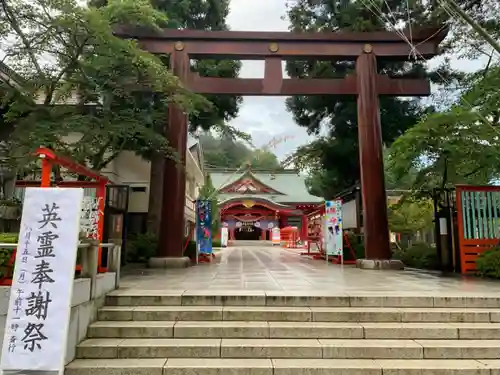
[[204, 226], [224, 235], [333, 228], [37, 323]]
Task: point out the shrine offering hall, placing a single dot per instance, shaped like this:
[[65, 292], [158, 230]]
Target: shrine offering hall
[[253, 202]]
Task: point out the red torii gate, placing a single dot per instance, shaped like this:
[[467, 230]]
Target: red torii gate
[[273, 47], [97, 181]]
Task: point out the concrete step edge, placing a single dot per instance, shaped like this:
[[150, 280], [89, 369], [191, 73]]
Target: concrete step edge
[[297, 314], [179, 366], [285, 324], [260, 298]]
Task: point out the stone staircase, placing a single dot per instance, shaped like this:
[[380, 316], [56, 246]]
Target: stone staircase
[[155, 333]]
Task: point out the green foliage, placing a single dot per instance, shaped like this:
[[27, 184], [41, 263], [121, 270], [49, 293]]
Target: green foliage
[[458, 146], [488, 263], [142, 247], [419, 255], [332, 160], [410, 216], [5, 254], [357, 242], [66, 52], [203, 15], [9, 237], [226, 152]]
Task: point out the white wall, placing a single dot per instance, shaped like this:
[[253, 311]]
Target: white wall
[[133, 170], [83, 310], [349, 215]]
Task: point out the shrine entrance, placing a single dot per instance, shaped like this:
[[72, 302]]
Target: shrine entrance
[[248, 233], [273, 47]]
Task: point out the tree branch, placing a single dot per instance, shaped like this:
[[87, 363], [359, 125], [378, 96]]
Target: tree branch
[[15, 25]]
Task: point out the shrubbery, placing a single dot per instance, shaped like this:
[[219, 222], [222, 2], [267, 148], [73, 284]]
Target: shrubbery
[[488, 263], [141, 247], [5, 254], [418, 255]]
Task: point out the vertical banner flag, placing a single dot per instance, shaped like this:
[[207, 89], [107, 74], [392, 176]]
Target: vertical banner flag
[[333, 227], [275, 236], [204, 226], [224, 235], [36, 329]]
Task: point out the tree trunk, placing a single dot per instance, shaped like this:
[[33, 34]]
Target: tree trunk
[[155, 193]]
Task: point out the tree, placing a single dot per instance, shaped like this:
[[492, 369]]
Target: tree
[[456, 146], [78, 89], [226, 152], [410, 216], [332, 160], [199, 15]]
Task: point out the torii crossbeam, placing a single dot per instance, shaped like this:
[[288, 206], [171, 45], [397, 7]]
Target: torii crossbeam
[[273, 47]]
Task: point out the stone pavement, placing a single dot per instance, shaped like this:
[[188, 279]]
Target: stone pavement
[[276, 269]]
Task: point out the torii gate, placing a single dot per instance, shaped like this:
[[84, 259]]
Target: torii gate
[[273, 47]]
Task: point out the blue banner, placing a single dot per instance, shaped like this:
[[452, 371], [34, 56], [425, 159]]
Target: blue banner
[[204, 226]]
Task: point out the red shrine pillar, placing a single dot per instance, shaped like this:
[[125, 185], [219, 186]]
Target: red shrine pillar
[[282, 221], [304, 228], [171, 241], [231, 234], [262, 234], [371, 163]]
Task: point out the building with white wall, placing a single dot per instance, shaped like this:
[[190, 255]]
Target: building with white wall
[[134, 171]]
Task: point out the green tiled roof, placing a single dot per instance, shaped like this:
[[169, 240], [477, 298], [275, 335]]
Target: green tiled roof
[[289, 185]]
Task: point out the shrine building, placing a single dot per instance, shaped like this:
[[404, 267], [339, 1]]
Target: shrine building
[[252, 202]]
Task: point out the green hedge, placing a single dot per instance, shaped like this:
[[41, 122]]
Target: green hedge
[[5, 254], [419, 255], [141, 247], [488, 263]]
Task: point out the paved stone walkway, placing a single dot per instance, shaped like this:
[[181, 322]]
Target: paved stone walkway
[[276, 269]]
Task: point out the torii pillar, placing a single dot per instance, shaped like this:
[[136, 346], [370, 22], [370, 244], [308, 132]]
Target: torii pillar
[[171, 233], [375, 223]]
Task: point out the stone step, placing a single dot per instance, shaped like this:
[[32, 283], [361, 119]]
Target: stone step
[[130, 297], [298, 314], [289, 348], [225, 366], [331, 330]]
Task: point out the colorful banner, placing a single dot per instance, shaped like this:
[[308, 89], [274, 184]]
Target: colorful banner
[[224, 236], [204, 226], [333, 228]]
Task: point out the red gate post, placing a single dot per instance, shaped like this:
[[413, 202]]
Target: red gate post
[[49, 159]]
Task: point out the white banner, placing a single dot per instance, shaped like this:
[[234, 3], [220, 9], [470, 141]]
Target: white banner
[[224, 235], [37, 323], [333, 227]]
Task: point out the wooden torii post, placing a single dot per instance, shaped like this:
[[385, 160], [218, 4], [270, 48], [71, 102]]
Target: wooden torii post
[[273, 47]]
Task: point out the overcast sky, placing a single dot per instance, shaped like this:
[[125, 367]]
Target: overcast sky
[[267, 117]]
